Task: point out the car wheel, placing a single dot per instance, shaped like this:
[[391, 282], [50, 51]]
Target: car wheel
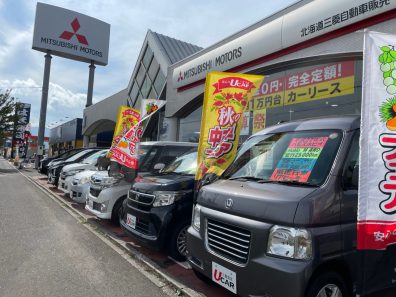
[[328, 284], [178, 244], [116, 209]]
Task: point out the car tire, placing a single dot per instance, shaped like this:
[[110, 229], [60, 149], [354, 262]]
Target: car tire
[[116, 209], [328, 284], [177, 247]]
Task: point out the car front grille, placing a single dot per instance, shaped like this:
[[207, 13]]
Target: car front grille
[[139, 200], [228, 241], [94, 192], [143, 226]]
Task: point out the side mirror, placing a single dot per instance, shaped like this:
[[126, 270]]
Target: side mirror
[[350, 180], [159, 166]]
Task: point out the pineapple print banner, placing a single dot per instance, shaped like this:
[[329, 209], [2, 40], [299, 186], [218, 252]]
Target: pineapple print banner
[[226, 98]]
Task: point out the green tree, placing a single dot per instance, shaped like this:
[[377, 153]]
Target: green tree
[[7, 115]]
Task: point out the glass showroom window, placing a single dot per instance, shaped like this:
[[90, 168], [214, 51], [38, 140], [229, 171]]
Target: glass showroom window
[[190, 125]]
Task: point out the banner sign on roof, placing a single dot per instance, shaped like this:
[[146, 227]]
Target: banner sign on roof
[[321, 82]]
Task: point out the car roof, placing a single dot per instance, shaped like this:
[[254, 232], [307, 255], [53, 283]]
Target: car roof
[[346, 123], [166, 143]]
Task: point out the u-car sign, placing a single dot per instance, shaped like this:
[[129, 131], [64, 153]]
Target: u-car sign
[[70, 34]]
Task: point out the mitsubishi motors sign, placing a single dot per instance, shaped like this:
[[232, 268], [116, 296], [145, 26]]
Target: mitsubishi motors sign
[[70, 34]]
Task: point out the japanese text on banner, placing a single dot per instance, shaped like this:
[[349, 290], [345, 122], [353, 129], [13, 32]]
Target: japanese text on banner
[[225, 100]]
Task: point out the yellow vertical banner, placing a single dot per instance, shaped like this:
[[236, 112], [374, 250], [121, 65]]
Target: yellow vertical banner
[[226, 97], [126, 119], [259, 117]]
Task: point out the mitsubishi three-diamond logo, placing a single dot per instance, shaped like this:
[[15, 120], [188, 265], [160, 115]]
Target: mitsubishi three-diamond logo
[[68, 35]]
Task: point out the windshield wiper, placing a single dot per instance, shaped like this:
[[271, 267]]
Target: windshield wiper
[[265, 181], [252, 178], [292, 182]]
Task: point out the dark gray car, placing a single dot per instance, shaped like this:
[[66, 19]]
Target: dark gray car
[[281, 221]]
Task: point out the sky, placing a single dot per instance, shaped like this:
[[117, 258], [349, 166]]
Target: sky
[[202, 23]]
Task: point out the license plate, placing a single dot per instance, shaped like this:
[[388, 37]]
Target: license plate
[[224, 277], [90, 203], [131, 221]]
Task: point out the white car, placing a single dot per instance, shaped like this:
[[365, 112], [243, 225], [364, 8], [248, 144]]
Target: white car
[[67, 173], [79, 188], [106, 195]]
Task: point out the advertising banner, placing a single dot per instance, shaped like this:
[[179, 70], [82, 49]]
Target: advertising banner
[[259, 117], [245, 123], [23, 113], [126, 119], [225, 100], [150, 106], [377, 182], [320, 82], [124, 148]]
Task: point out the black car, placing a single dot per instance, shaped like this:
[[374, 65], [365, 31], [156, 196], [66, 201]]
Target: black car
[[43, 165], [55, 169], [158, 209]]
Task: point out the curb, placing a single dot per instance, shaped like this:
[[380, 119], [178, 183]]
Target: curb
[[146, 266]]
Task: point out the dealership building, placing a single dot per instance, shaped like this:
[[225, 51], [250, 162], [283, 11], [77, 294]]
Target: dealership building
[[148, 80], [310, 54]]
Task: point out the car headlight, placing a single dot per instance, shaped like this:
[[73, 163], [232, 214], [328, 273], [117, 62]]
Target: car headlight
[[103, 206], [83, 180], [73, 172], [164, 198], [290, 243], [196, 217], [109, 181]]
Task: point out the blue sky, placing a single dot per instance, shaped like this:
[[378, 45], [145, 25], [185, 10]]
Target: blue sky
[[21, 68]]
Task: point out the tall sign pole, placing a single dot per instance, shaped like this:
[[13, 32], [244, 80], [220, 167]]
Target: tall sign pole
[[43, 109], [90, 83]]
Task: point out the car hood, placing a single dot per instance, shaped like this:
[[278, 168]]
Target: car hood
[[85, 173], [77, 166], [271, 203], [162, 182]]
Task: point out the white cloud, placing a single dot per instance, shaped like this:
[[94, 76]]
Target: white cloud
[[21, 68]]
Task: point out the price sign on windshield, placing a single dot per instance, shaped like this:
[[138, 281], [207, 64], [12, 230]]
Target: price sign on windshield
[[299, 159]]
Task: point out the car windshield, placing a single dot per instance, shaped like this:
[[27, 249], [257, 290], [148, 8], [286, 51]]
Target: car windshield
[[300, 158], [92, 159], [185, 164], [142, 151], [78, 155]]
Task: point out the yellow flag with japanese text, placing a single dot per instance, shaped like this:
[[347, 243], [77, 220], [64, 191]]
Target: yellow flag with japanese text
[[126, 119], [226, 97]]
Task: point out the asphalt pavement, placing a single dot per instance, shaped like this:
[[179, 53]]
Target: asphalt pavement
[[46, 252]]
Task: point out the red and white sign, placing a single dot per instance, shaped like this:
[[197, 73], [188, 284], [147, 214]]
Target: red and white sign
[[70, 34], [224, 277], [377, 181]]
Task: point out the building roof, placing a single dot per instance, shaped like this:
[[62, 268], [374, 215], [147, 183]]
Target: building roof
[[175, 49]]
